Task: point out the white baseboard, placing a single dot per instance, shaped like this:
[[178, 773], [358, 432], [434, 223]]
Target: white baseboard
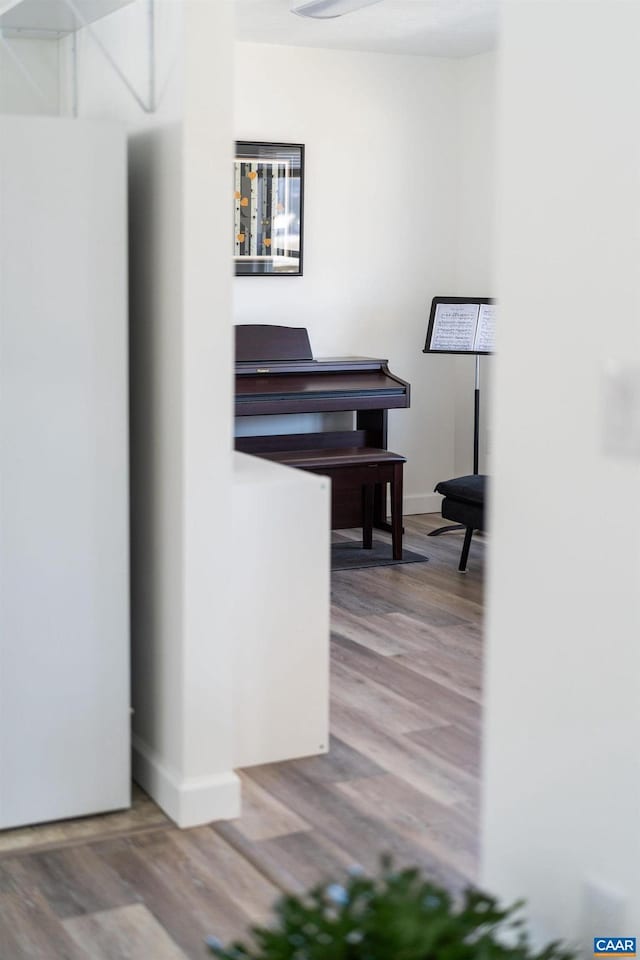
[[189, 801], [421, 503]]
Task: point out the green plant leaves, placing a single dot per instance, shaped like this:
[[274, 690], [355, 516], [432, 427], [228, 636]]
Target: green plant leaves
[[398, 915]]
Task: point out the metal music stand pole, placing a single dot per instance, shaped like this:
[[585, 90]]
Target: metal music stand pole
[[476, 419]]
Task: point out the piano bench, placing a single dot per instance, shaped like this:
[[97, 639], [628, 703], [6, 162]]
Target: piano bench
[[362, 467]]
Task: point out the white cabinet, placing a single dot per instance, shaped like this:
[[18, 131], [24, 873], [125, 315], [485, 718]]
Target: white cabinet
[[64, 542], [280, 571]]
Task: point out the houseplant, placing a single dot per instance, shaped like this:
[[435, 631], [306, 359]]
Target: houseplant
[[398, 915]]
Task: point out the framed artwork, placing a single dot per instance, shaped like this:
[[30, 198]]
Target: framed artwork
[[268, 209]]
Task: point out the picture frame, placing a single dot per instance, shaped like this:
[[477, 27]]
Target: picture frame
[[268, 209]]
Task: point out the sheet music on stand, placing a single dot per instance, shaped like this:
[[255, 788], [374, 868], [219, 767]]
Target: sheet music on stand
[[461, 325]]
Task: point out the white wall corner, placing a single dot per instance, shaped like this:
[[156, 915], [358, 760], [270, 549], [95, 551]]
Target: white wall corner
[[188, 801], [421, 503]]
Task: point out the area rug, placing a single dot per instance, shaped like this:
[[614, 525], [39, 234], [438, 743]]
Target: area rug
[[351, 556]]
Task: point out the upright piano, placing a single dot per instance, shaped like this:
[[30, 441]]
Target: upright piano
[[277, 374]]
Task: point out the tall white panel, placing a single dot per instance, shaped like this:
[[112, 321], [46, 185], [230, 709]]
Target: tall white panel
[[560, 824], [280, 559], [64, 555]]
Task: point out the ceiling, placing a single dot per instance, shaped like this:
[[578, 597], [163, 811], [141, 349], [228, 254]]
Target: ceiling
[[438, 28], [50, 19]]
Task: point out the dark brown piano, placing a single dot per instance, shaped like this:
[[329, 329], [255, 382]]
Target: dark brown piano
[[277, 374]]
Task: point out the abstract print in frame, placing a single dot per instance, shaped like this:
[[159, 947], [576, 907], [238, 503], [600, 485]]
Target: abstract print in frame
[[268, 208]]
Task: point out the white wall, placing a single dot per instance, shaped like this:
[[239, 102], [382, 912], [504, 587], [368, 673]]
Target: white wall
[[380, 221], [475, 241], [562, 775], [29, 77], [181, 364]]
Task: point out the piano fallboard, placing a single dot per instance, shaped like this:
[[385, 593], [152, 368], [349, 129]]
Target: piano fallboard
[[318, 391], [320, 365]]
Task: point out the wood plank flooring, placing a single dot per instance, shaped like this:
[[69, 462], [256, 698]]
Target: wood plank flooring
[[401, 777]]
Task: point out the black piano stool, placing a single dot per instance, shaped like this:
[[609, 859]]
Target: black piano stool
[[356, 467], [464, 503]]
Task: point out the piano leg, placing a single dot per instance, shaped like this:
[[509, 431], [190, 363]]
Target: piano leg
[[375, 423], [380, 509], [367, 516], [396, 511]]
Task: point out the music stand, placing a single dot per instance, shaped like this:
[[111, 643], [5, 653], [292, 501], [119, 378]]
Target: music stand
[[463, 325]]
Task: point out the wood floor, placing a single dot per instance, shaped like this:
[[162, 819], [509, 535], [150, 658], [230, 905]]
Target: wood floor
[[401, 777]]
